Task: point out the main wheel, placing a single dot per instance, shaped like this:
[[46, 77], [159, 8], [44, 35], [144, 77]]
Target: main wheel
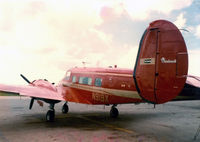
[[65, 108], [50, 116], [114, 112]]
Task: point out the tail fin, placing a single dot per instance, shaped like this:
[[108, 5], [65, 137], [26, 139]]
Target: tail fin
[[162, 63]]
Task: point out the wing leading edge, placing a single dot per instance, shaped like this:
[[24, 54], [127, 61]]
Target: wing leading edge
[[35, 91]]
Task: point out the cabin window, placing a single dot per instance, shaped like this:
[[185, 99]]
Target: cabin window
[[85, 80], [67, 75], [98, 82], [73, 79]]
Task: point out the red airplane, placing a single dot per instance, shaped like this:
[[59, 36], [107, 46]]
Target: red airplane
[[159, 76]]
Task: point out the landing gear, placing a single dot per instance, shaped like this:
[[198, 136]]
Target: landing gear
[[114, 112], [65, 108], [50, 116]]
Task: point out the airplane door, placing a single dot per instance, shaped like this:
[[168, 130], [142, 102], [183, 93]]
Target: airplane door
[[162, 63]]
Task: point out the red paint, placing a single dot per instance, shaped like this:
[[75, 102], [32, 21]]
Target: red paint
[[118, 77], [162, 63]]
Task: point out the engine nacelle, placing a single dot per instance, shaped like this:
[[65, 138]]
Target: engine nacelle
[[44, 84]]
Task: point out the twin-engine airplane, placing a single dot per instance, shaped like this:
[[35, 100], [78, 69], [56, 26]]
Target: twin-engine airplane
[[159, 76]]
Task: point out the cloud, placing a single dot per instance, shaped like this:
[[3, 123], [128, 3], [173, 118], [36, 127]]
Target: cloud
[[180, 21], [194, 58], [42, 39], [129, 57], [197, 34], [141, 10]]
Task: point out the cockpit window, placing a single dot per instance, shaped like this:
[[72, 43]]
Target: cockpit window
[[85, 80], [68, 75]]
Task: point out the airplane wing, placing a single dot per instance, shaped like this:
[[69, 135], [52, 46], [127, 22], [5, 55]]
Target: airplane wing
[[193, 80], [33, 90]]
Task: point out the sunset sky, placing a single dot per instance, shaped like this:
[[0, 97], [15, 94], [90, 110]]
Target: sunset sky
[[44, 38]]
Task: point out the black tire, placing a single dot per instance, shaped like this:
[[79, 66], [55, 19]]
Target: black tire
[[114, 112], [50, 116], [65, 109]]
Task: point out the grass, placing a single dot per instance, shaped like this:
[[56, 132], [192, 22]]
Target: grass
[[8, 94]]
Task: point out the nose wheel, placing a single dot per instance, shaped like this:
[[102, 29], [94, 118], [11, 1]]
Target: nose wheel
[[65, 108], [50, 116], [114, 112]]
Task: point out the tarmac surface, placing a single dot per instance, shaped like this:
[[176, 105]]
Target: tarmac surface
[[170, 122]]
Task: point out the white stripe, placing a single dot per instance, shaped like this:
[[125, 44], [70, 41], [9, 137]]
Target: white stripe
[[98, 73], [116, 92]]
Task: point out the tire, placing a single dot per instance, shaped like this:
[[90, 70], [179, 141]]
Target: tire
[[50, 116], [65, 109], [114, 112]]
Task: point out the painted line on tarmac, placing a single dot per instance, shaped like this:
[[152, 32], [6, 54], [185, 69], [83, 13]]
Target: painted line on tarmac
[[108, 125], [101, 123]]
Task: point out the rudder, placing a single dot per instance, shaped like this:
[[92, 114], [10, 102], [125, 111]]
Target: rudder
[[162, 63]]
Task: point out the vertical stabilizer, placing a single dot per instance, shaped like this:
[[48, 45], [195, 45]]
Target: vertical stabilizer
[[162, 63]]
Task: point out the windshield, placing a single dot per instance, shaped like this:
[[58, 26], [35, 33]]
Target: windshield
[[67, 75]]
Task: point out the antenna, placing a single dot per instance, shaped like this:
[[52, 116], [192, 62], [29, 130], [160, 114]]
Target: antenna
[[184, 30], [84, 63]]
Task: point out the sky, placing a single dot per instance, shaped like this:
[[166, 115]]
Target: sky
[[42, 39]]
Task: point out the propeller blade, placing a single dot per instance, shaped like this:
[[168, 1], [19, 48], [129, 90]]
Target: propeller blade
[[25, 78], [31, 103]]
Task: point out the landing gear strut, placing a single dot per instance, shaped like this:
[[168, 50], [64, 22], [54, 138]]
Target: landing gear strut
[[65, 108], [114, 112], [50, 116]]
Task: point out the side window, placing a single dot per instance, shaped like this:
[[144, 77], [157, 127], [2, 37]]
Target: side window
[[98, 82], [73, 79], [85, 80], [89, 81], [80, 80]]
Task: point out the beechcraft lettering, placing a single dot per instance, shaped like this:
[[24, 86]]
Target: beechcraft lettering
[[163, 60]]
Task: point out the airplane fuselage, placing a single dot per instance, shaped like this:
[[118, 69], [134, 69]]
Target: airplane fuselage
[[103, 86], [100, 86]]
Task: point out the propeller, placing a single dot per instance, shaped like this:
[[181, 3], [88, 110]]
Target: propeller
[[32, 99], [31, 103], [25, 78]]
